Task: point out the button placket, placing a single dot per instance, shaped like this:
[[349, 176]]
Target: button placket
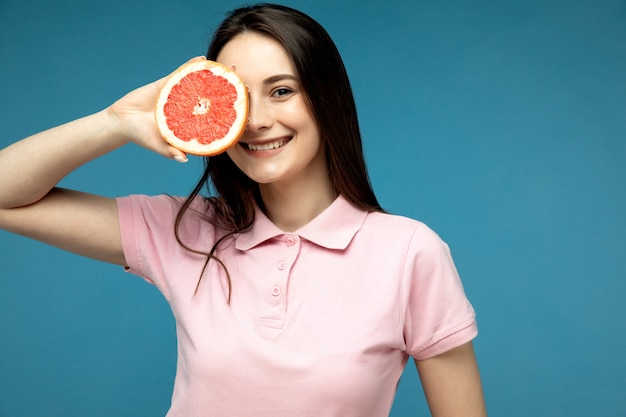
[[289, 241], [276, 289], [275, 301]]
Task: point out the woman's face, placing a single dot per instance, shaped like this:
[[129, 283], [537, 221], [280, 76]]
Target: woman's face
[[281, 144]]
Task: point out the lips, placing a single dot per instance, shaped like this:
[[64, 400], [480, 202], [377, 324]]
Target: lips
[[267, 146]]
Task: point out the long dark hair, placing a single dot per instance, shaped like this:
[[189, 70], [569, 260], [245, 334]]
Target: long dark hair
[[329, 98]]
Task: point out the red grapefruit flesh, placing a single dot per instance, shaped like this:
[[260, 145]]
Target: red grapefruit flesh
[[203, 108]]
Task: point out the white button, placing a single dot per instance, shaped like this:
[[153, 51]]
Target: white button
[[275, 290], [282, 265]]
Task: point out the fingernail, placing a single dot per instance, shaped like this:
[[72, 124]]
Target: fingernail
[[180, 158]]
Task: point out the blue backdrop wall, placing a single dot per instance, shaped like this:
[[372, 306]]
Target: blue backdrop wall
[[499, 124]]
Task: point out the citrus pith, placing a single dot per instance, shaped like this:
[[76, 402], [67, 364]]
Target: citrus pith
[[203, 108]]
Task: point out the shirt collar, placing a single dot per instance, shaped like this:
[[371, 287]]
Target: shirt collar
[[334, 228]]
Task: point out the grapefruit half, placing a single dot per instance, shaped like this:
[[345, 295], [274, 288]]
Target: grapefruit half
[[203, 108]]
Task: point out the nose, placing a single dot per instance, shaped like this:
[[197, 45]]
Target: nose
[[259, 115]]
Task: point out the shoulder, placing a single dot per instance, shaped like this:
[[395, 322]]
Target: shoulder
[[163, 211], [161, 205], [400, 241], [397, 227]]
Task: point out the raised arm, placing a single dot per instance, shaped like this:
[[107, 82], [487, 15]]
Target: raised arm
[[452, 384], [86, 224]]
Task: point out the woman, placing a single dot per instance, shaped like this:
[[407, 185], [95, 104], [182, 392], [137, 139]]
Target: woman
[[294, 293]]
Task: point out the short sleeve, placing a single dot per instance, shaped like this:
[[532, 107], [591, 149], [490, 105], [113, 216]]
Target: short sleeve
[[438, 315], [149, 241]]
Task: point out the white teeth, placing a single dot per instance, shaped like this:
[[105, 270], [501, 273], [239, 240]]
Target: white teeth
[[267, 146]]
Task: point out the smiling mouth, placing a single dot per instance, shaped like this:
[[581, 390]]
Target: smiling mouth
[[266, 146]]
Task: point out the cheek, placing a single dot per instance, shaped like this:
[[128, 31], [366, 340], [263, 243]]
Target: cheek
[[296, 113], [307, 129]]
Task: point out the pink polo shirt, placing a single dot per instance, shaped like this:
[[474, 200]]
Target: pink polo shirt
[[321, 321]]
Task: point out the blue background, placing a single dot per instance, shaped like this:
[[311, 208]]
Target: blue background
[[500, 124]]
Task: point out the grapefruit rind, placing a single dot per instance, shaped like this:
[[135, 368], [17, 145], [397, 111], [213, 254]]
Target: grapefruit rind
[[194, 146]]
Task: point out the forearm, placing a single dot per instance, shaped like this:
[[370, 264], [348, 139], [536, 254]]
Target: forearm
[[31, 167]]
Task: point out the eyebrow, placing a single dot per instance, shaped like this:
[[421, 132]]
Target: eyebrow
[[279, 77]]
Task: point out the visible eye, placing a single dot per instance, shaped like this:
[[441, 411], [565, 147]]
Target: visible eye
[[282, 92]]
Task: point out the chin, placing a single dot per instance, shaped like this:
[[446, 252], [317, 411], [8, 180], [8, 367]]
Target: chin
[[263, 177]]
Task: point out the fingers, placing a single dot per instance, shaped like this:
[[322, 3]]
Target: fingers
[[152, 139], [198, 58], [156, 143], [177, 154]]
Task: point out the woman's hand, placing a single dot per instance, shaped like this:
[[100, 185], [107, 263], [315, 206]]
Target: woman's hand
[[134, 114]]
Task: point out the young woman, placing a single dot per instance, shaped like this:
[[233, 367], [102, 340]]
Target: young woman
[[294, 293]]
